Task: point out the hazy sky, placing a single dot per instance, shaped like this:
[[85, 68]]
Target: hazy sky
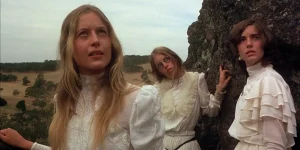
[[30, 28]]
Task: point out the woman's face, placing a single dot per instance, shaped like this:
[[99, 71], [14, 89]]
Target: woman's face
[[250, 47], [165, 65], [92, 45]]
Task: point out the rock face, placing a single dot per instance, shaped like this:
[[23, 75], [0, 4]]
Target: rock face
[[208, 49]]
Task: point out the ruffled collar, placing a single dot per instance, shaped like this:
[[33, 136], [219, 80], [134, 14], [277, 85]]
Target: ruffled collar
[[91, 80]]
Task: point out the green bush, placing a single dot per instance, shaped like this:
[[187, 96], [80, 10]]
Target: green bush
[[2, 102], [21, 105]]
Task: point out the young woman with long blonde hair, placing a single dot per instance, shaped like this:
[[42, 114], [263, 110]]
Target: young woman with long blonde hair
[[184, 98], [95, 107]]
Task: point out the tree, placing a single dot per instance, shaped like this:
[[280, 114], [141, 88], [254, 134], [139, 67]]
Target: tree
[[39, 81], [50, 86], [25, 80], [38, 89], [16, 92], [8, 78], [2, 102], [39, 103], [21, 105], [145, 77]]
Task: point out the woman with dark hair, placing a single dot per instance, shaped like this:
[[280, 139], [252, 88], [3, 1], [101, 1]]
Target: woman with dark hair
[[184, 98], [265, 112]]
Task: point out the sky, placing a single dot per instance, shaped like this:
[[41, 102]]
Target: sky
[[30, 29]]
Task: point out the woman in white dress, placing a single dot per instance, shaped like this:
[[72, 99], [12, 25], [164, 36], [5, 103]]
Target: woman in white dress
[[95, 107], [184, 98], [265, 112]]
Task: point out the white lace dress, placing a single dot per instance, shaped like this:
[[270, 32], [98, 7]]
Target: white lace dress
[[265, 112], [139, 126], [183, 104]]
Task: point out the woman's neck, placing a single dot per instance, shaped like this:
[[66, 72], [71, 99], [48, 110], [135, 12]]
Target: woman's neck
[[177, 75]]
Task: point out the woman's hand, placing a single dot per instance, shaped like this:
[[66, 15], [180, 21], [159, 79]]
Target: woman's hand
[[223, 80], [13, 138]]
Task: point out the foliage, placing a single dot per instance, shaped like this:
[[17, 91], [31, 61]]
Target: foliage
[[39, 103], [131, 63], [51, 65], [145, 77], [47, 65], [25, 81], [21, 105], [8, 77], [2, 102], [50, 86], [16, 92], [31, 124], [136, 59], [38, 90]]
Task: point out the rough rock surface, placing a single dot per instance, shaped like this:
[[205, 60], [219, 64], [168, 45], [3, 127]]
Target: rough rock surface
[[207, 38]]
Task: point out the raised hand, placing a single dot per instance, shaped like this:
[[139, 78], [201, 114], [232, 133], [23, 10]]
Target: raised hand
[[223, 80]]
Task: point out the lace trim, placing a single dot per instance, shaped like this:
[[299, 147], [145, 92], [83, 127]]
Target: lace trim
[[91, 81], [119, 136], [186, 97]]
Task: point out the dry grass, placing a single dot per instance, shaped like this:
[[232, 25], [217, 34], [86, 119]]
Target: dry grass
[[9, 87]]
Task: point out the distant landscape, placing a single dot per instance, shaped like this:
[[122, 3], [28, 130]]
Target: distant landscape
[[26, 91]]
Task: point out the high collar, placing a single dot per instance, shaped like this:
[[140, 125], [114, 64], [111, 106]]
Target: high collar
[[257, 69], [91, 80]]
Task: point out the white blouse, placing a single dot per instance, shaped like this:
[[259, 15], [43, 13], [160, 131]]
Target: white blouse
[[138, 127], [265, 112], [188, 104]]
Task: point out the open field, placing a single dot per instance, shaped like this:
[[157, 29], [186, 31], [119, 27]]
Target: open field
[[9, 87]]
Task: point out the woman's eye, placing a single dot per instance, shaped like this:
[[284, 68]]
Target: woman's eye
[[102, 32], [256, 37], [242, 39], [83, 34]]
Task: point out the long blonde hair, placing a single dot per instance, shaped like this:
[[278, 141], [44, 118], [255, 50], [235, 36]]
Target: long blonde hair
[[70, 84], [167, 52]]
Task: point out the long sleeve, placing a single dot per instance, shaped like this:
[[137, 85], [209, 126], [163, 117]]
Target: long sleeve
[[37, 146], [273, 134], [210, 104], [146, 126]]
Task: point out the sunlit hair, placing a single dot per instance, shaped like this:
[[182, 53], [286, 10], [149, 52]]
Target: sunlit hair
[[167, 52], [269, 46], [70, 84]]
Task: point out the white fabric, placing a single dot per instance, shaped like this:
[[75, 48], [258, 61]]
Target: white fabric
[[180, 128], [272, 131], [266, 95], [138, 127]]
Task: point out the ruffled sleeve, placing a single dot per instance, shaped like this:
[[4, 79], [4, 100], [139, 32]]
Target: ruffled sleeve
[[37, 146], [146, 126], [269, 97], [210, 104]]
